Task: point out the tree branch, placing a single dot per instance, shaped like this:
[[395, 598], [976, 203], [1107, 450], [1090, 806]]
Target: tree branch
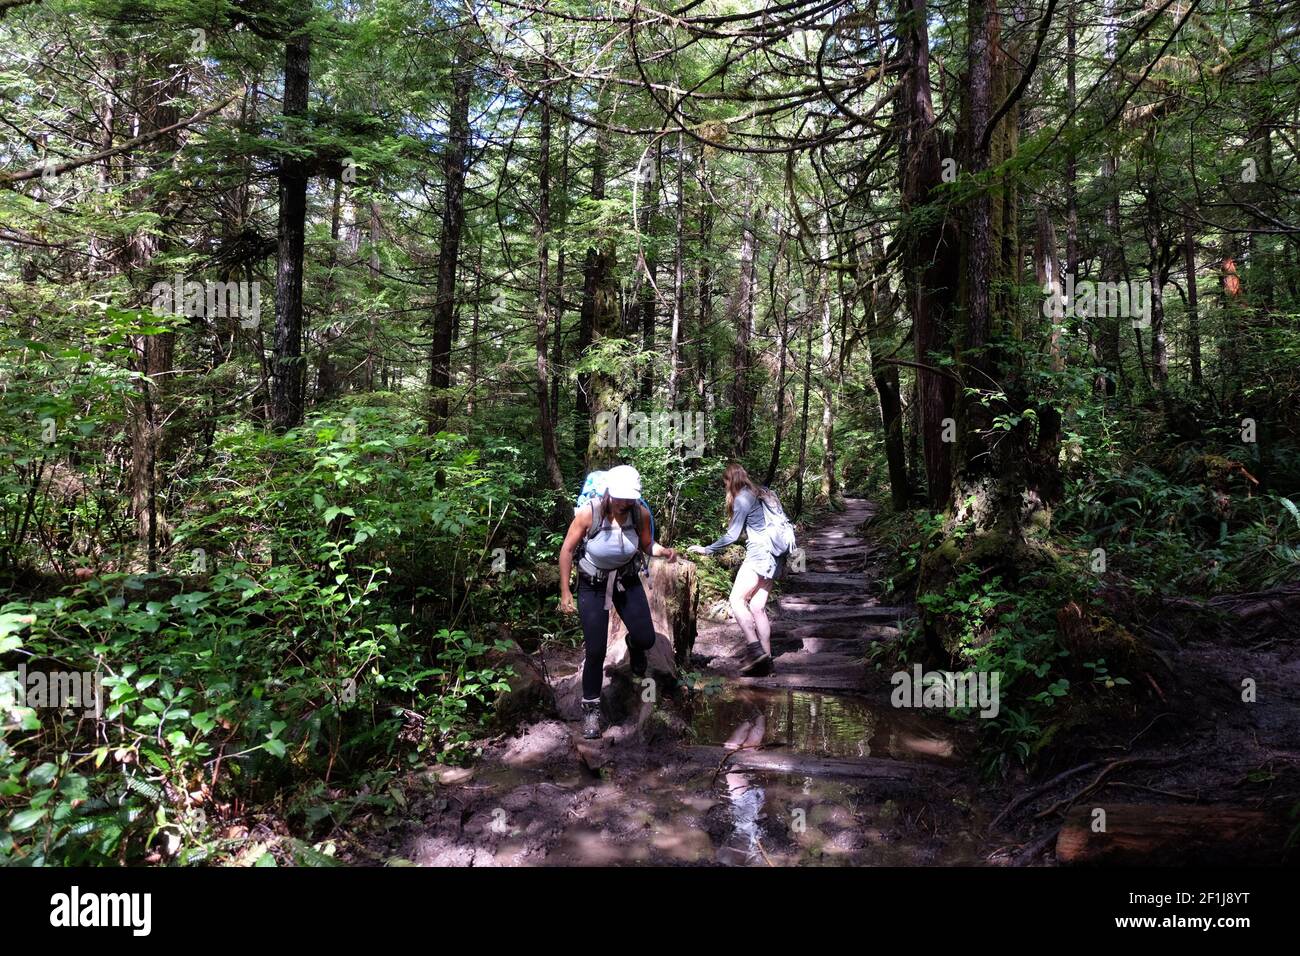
[[58, 169], [1025, 77]]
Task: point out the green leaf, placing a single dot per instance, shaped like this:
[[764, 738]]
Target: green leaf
[[42, 775], [26, 819]]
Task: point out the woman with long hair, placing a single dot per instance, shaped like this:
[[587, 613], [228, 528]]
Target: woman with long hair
[[754, 511]]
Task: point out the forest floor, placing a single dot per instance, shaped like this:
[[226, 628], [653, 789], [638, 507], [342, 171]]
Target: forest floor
[[812, 765]]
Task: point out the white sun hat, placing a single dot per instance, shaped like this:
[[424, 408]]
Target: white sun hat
[[622, 481]]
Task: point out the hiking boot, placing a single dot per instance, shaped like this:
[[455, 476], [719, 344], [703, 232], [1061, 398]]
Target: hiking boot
[[591, 719], [756, 661]]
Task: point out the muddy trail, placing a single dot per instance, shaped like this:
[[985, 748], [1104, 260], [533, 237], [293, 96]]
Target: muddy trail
[[812, 765]]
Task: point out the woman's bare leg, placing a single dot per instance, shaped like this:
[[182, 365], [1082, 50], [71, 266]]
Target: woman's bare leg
[[758, 608], [744, 584]]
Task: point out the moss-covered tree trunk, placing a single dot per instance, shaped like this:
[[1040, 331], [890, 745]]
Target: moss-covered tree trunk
[[1005, 463], [929, 240]]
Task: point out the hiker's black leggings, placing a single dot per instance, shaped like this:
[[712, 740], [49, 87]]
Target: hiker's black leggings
[[634, 611]]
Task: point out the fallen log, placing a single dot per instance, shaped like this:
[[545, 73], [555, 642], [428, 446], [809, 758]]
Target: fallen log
[[1243, 618], [874, 613], [1171, 835], [810, 765]]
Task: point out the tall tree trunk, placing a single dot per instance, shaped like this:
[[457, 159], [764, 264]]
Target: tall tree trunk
[[679, 280], [647, 267], [1047, 274], [741, 317], [148, 429], [561, 302], [803, 421], [930, 243], [829, 483], [704, 295], [454, 162], [287, 373], [327, 378], [597, 320], [1193, 310], [885, 378], [1071, 157], [471, 400], [782, 327], [1234, 323], [1004, 481], [550, 455], [1112, 250], [372, 326], [1159, 276]]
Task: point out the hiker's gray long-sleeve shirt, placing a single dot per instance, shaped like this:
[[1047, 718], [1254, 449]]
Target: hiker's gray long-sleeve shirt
[[746, 515]]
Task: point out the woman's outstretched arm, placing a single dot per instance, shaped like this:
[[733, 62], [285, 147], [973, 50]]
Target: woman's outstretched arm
[[740, 511]]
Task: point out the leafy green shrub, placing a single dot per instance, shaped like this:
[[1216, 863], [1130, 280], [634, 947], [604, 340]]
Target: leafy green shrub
[[281, 656]]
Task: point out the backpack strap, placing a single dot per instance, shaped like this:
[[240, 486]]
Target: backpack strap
[[597, 516]]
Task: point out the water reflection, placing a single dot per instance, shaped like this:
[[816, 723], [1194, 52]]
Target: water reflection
[[747, 799], [828, 725]]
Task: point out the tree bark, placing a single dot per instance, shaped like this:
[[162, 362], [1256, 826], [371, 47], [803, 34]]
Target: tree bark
[[829, 482], [1005, 476], [1193, 311], [885, 378], [741, 318], [1112, 249], [704, 295], [287, 373], [647, 278], [679, 280], [803, 426], [454, 168], [1047, 274], [598, 321], [930, 243], [550, 456], [148, 424]]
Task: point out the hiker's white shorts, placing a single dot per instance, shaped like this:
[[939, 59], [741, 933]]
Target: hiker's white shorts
[[760, 559]]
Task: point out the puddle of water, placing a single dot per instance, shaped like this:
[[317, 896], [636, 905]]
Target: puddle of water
[[828, 725], [786, 820]]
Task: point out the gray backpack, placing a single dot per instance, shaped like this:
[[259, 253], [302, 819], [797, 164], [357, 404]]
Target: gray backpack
[[779, 529]]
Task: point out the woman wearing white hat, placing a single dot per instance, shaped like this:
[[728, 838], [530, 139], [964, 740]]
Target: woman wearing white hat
[[611, 538]]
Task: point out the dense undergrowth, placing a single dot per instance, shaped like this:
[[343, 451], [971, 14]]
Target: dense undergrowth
[[1143, 517]]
